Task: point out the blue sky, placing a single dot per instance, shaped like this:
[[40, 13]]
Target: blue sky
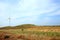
[[39, 12]]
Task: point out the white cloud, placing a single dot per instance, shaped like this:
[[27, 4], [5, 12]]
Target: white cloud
[[28, 10], [54, 13], [33, 8], [3, 6]]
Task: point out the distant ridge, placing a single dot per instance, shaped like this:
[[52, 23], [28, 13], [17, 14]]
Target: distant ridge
[[19, 26], [25, 26]]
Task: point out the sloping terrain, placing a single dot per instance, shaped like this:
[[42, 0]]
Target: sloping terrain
[[30, 32]]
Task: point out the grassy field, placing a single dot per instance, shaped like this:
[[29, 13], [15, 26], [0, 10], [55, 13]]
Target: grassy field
[[36, 33]]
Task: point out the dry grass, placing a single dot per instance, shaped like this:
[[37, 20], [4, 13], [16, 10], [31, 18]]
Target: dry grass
[[7, 36], [35, 37], [39, 33]]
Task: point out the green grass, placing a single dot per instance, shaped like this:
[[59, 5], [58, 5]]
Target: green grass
[[33, 32], [40, 33]]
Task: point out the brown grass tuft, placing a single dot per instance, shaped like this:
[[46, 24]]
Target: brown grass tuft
[[7, 36]]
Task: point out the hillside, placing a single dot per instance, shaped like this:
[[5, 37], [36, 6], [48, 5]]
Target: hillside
[[28, 26]]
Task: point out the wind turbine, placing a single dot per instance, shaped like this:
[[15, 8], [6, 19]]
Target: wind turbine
[[9, 19]]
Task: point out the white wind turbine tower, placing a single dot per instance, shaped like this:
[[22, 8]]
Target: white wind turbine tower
[[9, 21], [9, 17]]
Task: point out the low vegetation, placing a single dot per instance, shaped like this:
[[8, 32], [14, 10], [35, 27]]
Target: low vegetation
[[33, 32]]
